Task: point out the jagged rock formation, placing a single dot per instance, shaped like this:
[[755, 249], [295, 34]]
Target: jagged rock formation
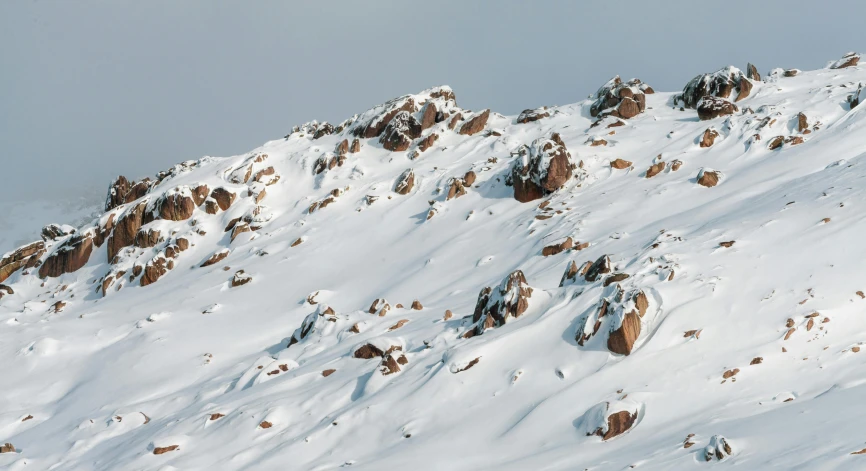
[[496, 305], [719, 84], [621, 99]]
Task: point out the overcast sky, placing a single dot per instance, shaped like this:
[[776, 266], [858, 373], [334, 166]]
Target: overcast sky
[[93, 89]]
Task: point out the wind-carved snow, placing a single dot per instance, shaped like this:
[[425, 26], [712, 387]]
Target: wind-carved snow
[[656, 322]]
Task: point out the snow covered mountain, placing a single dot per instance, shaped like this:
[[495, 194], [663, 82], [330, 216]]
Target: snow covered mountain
[[639, 280]]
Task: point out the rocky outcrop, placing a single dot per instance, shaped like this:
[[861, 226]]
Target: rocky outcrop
[[428, 116], [542, 168], [475, 124], [601, 266], [720, 84], [240, 278], [176, 205], [380, 306], [392, 362], [216, 258], [380, 116], [23, 257], [620, 164], [857, 97], [457, 186], [711, 107], [529, 116], [609, 419], [147, 238], [620, 99], [199, 193], [557, 248], [126, 228], [400, 132], [850, 59], [496, 305], [315, 321], [618, 315], [56, 231], [752, 73], [428, 142], [154, 269], [355, 147], [405, 182]]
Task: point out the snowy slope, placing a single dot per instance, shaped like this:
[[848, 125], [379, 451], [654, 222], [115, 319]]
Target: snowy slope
[[115, 377]]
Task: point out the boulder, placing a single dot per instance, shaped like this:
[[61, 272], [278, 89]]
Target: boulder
[[609, 419], [23, 257], [427, 142], [620, 99], [373, 122], [475, 124], [570, 274], [802, 122], [391, 363], [620, 164], [56, 231], [405, 182], [380, 306], [623, 336], [341, 149], [456, 189], [428, 116], [655, 169], [542, 168], [708, 177], [857, 97], [146, 238], [601, 266], [557, 248], [216, 258], [710, 107], [496, 305], [719, 84], [7, 448], [117, 193], [68, 258], [400, 132], [355, 147], [529, 116], [154, 269], [223, 197], [718, 449], [323, 130], [709, 137]]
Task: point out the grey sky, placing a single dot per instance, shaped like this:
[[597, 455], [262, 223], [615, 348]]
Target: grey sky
[[89, 90]]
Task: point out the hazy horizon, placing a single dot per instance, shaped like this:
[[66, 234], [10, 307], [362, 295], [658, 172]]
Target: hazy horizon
[[93, 90]]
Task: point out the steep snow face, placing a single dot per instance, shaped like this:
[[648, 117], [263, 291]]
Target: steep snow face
[[287, 308]]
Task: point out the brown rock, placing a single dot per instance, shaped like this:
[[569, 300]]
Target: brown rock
[[368, 351], [216, 258], [757, 361], [448, 315], [342, 147], [399, 324], [620, 164], [618, 423], [223, 197], [57, 307], [475, 124], [153, 270], [727, 244], [7, 448], [216, 416], [848, 60], [496, 305], [390, 364], [709, 137], [601, 266], [752, 73], [615, 278], [469, 365], [117, 193], [708, 178], [655, 169], [69, 257], [146, 238], [711, 107], [265, 424], [427, 142], [328, 372], [530, 179], [200, 193], [791, 72], [240, 279], [239, 229], [176, 207], [557, 248], [297, 242], [428, 117], [802, 123], [376, 125], [730, 373], [126, 229], [454, 120], [676, 164], [456, 189], [26, 256], [528, 116], [416, 305], [620, 99], [716, 85], [355, 147], [622, 339], [776, 142], [405, 182], [165, 449], [400, 132]]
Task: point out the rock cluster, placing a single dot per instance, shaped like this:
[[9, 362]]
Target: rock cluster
[[720, 84], [542, 168], [496, 305], [620, 99]]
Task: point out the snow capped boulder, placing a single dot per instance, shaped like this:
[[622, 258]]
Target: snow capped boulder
[[709, 137], [542, 168], [710, 107], [718, 449], [708, 177], [405, 182], [240, 278], [372, 123], [378, 347], [618, 315], [496, 305], [56, 231], [475, 124], [391, 363], [400, 132], [200, 192], [529, 116], [609, 419], [314, 322], [620, 99], [720, 84], [22, 257], [154, 269], [216, 258], [848, 60], [380, 306]]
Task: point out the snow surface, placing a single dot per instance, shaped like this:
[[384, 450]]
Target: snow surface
[[109, 379]]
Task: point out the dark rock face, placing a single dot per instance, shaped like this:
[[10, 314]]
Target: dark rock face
[[123, 191], [542, 168], [710, 107], [428, 142], [323, 130], [529, 116], [848, 60], [23, 257], [383, 115], [126, 229], [719, 84], [496, 305], [621, 99], [752, 73], [400, 132], [428, 117], [475, 124], [69, 257], [857, 97], [405, 182], [146, 238], [200, 192], [56, 231], [600, 267]]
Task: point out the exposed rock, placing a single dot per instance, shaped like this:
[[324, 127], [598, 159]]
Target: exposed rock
[[380, 116], [615, 278], [379, 306], [802, 122], [475, 124], [154, 269], [528, 116], [620, 99], [848, 60], [752, 73], [416, 305], [216, 258], [454, 120], [342, 147], [620, 164], [543, 167], [718, 449], [601, 266], [405, 182], [727, 244], [857, 97], [427, 142], [570, 274], [368, 351], [126, 229], [609, 419], [622, 339], [56, 231], [323, 130], [776, 142], [676, 164], [756, 361], [719, 84], [223, 197], [400, 132], [655, 169], [200, 193], [240, 278], [22, 257], [709, 137], [57, 307], [496, 305], [448, 315], [469, 178], [7, 448], [791, 72], [557, 248], [709, 177], [468, 365], [69, 257], [711, 107], [164, 449], [428, 116], [239, 229], [355, 147], [456, 189], [117, 193]]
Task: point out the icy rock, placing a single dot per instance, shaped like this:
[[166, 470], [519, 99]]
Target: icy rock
[[718, 449], [719, 84], [529, 116], [623, 99], [400, 132], [543, 167], [496, 305]]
